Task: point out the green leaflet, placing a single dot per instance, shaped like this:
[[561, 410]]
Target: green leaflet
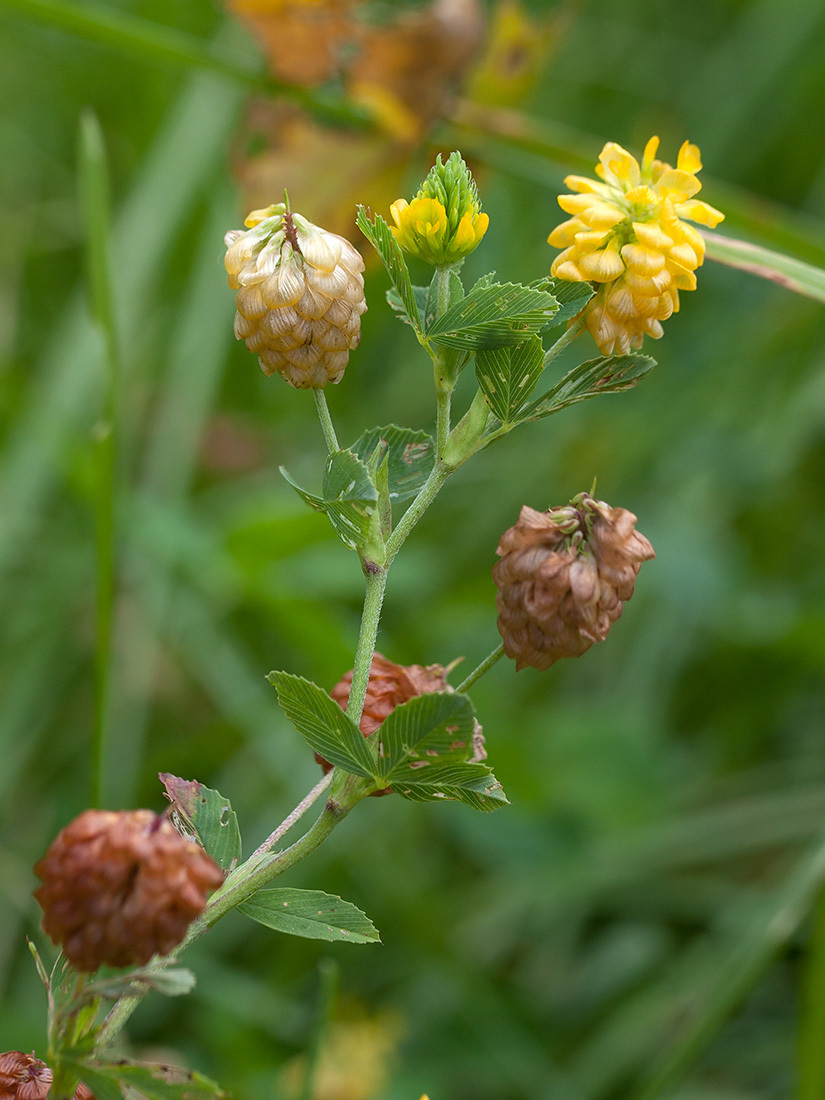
[[507, 376], [410, 457], [608, 374], [322, 724], [493, 315], [312, 914]]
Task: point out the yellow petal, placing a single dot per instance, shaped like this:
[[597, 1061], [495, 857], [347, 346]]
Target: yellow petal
[[689, 159], [601, 215], [620, 165], [701, 212], [683, 254], [678, 186], [620, 302], [682, 278], [602, 266], [575, 204], [651, 285], [584, 184], [641, 260], [590, 240], [652, 235], [642, 196], [397, 209], [566, 270], [649, 155], [663, 306], [564, 234]]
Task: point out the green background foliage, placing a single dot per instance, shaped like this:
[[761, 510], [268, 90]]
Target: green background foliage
[[665, 789]]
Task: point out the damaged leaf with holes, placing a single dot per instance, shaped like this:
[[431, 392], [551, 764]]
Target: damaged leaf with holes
[[204, 814]]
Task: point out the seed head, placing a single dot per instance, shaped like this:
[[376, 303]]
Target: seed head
[[627, 237], [563, 578], [119, 888], [300, 296], [443, 223]]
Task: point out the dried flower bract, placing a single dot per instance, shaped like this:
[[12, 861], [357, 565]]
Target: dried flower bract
[[563, 577], [300, 296], [119, 888], [389, 685], [24, 1077]]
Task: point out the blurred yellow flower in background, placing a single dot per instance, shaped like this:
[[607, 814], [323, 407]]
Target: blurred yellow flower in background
[[627, 236]]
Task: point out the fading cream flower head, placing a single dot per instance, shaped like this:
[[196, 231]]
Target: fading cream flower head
[[443, 223], [300, 295], [627, 236]]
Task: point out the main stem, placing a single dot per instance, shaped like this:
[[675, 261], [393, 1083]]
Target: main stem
[[371, 616]]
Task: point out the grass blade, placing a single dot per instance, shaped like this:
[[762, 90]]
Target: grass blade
[[94, 200], [800, 277], [771, 928]]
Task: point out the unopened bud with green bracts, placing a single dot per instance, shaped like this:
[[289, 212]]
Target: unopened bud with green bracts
[[300, 295], [443, 223]]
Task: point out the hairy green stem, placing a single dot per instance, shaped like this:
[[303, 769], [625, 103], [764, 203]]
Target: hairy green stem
[[479, 670], [330, 438], [371, 616], [571, 333], [443, 397], [296, 815], [444, 384], [427, 494]]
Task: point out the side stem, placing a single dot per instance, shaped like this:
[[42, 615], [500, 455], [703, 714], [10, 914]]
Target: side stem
[[327, 427], [479, 671]]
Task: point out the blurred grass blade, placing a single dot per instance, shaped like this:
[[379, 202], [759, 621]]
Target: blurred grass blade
[[94, 200], [122, 30], [187, 395], [770, 930], [156, 42], [800, 277], [812, 1013], [62, 390]]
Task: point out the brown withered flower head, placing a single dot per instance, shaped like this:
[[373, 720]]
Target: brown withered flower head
[[121, 887], [563, 578], [24, 1077], [388, 686]]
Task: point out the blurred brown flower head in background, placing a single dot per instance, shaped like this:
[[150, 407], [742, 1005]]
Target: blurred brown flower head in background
[[563, 578]]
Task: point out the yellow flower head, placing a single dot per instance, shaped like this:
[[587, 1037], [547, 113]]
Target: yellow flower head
[[443, 223], [627, 236]]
